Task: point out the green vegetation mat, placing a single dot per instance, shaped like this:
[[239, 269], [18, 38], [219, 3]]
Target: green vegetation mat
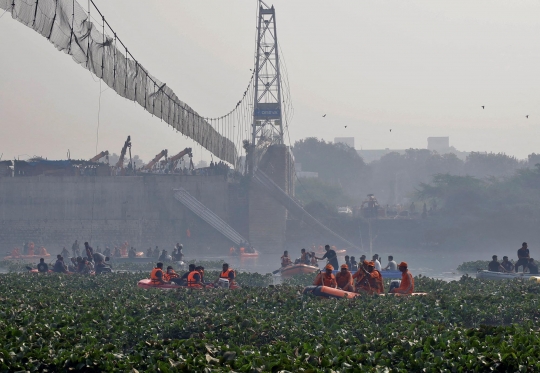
[[61, 323]]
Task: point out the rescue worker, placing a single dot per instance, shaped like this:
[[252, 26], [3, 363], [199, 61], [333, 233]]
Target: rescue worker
[[371, 282], [360, 276], [183, 279], [344, 279], [327, 278], [89, 251], [194, 279], [523, 257], [226, 273], [285, 260], [331, 256], [172, 276], [156, 276], [42, 267], [533, 268], [407, 281], [495, 266]]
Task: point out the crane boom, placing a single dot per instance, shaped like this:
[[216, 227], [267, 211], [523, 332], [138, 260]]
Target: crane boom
[[127, 144], [156, 159], [99, 156], [181, 154]]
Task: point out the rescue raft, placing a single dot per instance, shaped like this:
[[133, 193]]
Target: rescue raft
[[489, 275], [328, 292], [148, 284], [297, 269]]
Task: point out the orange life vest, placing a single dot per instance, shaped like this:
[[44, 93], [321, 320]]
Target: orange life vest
[[191, 282], [168, 276], [376, 282], [153, 275], [407, 283], [324, 280], [226, 275], [343, 279]]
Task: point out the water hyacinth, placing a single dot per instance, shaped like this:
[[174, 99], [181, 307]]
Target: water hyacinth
[[105, 323]]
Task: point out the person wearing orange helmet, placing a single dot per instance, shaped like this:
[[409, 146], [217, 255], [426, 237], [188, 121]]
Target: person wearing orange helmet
[[344, 279], [371, 281], [407, 281], [327, 278]]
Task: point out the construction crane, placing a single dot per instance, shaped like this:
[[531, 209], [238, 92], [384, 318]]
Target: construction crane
[[127, 144], [179, 156], [99, 156], [156, 159]]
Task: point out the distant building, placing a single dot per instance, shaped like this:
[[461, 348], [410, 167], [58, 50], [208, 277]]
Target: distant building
[[439, 144], [345, 140]]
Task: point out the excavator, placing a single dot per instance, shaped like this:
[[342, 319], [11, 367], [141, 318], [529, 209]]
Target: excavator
[[99, 156], [156, 159], [120, 163], [179, 156]]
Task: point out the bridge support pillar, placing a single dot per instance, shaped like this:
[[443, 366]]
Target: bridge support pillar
[[268, 218]]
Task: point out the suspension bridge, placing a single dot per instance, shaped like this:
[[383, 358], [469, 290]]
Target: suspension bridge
[[254, 129]]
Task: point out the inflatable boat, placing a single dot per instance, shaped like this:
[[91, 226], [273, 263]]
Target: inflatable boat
[[148, 284], [249, 255], [328, 292], [297, 269], [489, 275], [385, 274]]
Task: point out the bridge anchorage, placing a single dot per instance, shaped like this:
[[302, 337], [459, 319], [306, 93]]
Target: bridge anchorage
[[85, 36]]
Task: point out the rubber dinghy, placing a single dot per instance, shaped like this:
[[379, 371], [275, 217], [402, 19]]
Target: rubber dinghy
[[297, 269], [148, 284], [489, 275], [328, 292], [384, 274]]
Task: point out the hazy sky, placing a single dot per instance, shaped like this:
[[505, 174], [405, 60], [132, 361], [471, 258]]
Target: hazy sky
[[420, 68]]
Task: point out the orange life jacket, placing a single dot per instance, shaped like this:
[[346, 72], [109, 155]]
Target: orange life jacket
[[168, 276], [231, 250], [407, 283], [226, 275], [376, 282], [324, 280], [343, 280], [153, 275], [191, 282]]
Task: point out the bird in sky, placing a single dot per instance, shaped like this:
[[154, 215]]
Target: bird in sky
[[324, 116], [526, 116], [345, 126], [390, 130], [482, 106]]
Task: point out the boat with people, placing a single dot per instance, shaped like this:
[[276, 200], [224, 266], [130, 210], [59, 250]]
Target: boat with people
[[298, 269], [149, 284], [491, 275], [26, 257]]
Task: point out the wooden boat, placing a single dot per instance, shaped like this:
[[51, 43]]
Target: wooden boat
[[297, 269], [489, 275], [249, 255]]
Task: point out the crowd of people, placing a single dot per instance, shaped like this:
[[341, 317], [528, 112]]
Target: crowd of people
[[93, 262], [352, 276], [28, 249], [193, 278], [524, 261]]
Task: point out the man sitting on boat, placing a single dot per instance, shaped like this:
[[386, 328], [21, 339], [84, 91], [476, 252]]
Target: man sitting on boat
[[42, 266], [392, 265], [495, 266], [354, 264], [227, 274], [507, 265], [371, 281], [156, 276], [305, 258], [407, 281], [327, 278], [344, 279], [184, 277], [195, 279], [523, 257], [533, 268], [59, 266], [285, 260]]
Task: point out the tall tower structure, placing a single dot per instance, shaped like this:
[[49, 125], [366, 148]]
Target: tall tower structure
[[267, 128]]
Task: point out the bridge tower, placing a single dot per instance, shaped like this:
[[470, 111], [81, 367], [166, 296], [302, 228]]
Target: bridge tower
[[267, 127]]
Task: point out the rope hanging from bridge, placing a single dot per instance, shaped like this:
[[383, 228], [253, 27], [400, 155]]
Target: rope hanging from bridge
[[70, 29]]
